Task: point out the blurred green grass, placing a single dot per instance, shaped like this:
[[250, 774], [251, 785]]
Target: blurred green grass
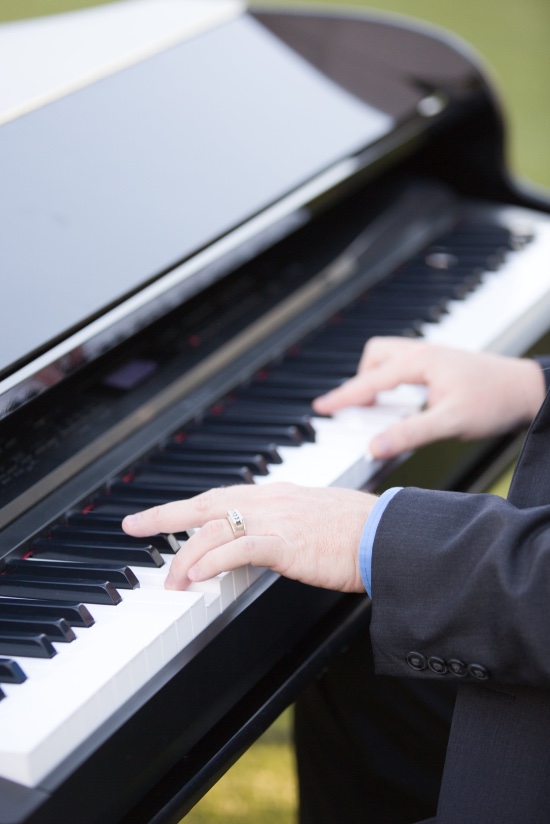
[[511, 39], [260, 788]]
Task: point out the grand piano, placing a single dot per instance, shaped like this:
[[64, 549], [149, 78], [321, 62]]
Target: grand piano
[[206, 211]]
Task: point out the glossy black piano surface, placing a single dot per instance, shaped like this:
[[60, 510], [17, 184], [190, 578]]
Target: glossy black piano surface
[[235, 281]]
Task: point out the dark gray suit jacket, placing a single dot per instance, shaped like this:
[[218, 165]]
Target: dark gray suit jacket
[[461, 591]]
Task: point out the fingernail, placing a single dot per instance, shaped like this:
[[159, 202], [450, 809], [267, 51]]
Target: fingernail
[[132, 520], [382, 447], [194, 573]]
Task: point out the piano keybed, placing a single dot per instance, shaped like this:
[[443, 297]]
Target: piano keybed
[[66, 668]]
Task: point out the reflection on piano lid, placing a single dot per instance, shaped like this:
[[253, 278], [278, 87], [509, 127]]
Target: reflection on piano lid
[[202, 257], [192, 190]]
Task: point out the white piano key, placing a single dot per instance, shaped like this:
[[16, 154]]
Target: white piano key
[[152, 593], [253, 574], [221, 585], [240, 581], [340, 455], [84, 684], [213, 606]]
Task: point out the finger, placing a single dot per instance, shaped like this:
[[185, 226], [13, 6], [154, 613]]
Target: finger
[[378, 350], [177, 516], [356, 391], [411, 433], [362, 389], [212, 535], [386, 363], [256, 550]]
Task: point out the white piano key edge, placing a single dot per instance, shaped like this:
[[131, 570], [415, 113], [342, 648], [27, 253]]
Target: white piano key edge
[[53, 779]]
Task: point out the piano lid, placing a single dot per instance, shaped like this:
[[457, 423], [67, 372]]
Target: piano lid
[[48, 57], [192, 150]]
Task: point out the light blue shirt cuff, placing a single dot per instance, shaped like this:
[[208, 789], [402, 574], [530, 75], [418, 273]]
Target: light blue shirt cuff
[[366, 543]]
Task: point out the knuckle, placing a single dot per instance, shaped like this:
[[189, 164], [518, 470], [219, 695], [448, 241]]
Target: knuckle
[[249, 548], [157, 514], [212, 529], [205, 501], [281, 490]]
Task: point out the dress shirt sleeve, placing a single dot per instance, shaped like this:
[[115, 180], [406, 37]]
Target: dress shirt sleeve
[[544, 363], [369, 532]]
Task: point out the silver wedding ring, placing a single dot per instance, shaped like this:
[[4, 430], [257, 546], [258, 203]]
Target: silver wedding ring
[[236, 522]]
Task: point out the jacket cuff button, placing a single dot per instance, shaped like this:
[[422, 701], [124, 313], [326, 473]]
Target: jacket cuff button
[[437, 665], [416, 660], [478, 671], [457, 667]]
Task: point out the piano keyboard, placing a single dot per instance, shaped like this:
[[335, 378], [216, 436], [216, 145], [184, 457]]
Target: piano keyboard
[[482, 286]]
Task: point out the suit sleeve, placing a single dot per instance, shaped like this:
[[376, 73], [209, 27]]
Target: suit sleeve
[[461, 589]]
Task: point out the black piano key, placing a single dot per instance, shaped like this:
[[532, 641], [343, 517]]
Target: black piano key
[[282, 435], [161, 475], [432, 274], [363, 326], [26, 645], [256, 463], [161, 472], [442, 277], [352, 345], [93, 521], [147, 554], [389, 295], [122, 577], [305, 358], [423, 312], [74, 550], [2, 695], [484, 233], [466, 257], [55, 629], [87, 591], [226, 445], [279, 396], [307, 366], [151, 495], [108, 525], [11, 672], [236, 414], [325, 347], [299, 409], [266, 391], [285, 379], [410, 287], [77, 615], [357, 334]]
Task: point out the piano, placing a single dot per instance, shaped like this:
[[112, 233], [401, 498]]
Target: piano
[[206, 211]]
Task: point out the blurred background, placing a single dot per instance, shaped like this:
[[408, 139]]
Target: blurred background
[[511, 40]]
